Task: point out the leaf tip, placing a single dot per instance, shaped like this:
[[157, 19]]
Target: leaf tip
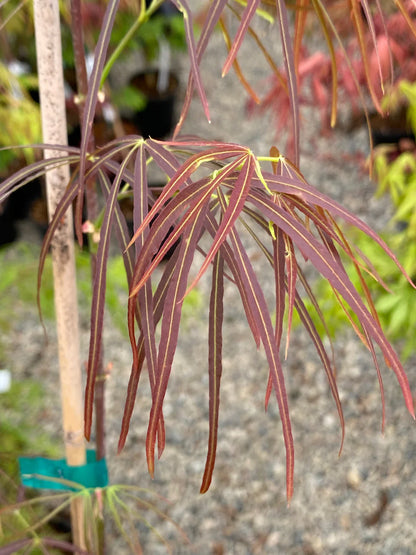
[[120, 446]]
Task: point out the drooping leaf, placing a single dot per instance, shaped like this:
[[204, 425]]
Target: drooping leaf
[[170, 329], [309, 194], [158, 304], [264, 325], [357, 19], [216, 313], [334, 73], [183, 7], [247, 16], [98, 300], [145, 296], [214, 12], [338, 278], [237, 67], [92, 97], [291, 74]]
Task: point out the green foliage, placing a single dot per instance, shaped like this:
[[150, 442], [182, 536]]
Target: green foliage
[[148, 37], [397, 178], [19, 430], [131, 509], [129, 97], [395, 308], [18, 282], [19, 116], [409, 91]]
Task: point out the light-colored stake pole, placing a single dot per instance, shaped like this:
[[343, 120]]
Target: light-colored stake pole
[[52, 100]]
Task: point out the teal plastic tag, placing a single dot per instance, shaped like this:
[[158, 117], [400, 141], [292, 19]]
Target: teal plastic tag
[[43, 473]]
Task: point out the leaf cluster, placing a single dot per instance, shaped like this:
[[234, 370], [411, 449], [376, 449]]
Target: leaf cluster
[[217, 197]]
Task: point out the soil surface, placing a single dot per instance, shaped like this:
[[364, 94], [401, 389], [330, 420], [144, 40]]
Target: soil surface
[[361, 502]]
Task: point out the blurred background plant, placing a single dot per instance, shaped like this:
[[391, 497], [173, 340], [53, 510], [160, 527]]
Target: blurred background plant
[[369, 52], [395, 174], [40, 524]]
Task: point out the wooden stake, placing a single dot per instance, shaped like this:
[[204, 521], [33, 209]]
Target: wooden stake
[[52, 101]]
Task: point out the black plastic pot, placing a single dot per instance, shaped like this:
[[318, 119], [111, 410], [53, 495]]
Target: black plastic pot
[[156, 120]]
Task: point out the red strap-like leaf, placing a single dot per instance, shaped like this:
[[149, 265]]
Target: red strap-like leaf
[[261, 314], [183, 7], [93, 90], [216, 314], [158, 304], [235, 206], [98, 300], [247, 16], [290, 72], [170, 328], [214, 12], [338, 278], [145, 296]]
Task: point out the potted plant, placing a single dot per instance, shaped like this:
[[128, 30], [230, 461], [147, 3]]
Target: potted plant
[[149, 98], [217, 196]]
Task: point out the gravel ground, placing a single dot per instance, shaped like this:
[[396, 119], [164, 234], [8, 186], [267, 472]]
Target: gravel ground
[[361, 502]]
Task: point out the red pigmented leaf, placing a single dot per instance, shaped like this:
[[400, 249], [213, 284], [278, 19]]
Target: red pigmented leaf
[[227, 253], [338, 278], [279, 278], [216, 314], [291, 270], [278, 264], [247, 16], [237, 67], [158, 304], [33, 171], [166, 161], [194, 195], [311, 195], [183, 7], [98, 300], [179, 179], [380, 380], [121, 228], [145, 296], [235, 206], [214, 12], [264, 325], [170, 329], [92, 96], [291, 74]]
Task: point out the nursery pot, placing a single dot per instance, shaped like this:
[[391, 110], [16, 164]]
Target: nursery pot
[[156, 120]]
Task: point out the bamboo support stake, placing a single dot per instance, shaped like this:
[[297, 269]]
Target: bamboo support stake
[[52, 99]]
